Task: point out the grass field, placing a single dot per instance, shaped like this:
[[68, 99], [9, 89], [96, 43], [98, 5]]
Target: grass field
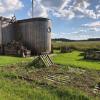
[[22, 90], [52, 83], [41, 88], [6, 60], [83, 45], [74, 79], [75, 59]]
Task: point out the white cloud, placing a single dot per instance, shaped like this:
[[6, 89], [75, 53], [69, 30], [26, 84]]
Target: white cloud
[[55, 4], [79, 34], [7, 7], [65, 14], [81, 4], [94, 29], [90, 14], [40, 10], [57, 8], [98, 7], [69, 9], [93, 24], [13, 4], [73, 35]]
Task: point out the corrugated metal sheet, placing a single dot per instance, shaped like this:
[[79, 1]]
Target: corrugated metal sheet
[[34, 33], [0, 34], [4, 22], [7, 33]]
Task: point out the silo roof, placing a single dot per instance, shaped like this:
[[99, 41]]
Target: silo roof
[[33, 19]]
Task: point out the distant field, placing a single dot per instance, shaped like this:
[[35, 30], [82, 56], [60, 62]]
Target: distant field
[[77, 45], [75, 59], [7, 60]]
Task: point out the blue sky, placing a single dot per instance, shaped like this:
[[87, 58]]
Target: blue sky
[[71, 19]]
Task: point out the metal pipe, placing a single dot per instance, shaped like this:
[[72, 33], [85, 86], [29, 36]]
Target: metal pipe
[[32, 8]]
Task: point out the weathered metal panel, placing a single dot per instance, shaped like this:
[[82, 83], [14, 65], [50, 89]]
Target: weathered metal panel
[[7, 33], [0, 33], [35, 34]]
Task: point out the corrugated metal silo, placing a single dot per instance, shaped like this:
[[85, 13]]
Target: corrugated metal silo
[[35, 33], [7, 33], [0, 33]]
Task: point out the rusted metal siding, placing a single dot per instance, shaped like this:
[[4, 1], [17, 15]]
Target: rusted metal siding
[[35, 34], [7, 33], [0, 33], [4, 23]]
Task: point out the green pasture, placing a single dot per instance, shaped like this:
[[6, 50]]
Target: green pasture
[[7, 60], [81, 45], [22, 90], [75, 59], [13, 88]]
